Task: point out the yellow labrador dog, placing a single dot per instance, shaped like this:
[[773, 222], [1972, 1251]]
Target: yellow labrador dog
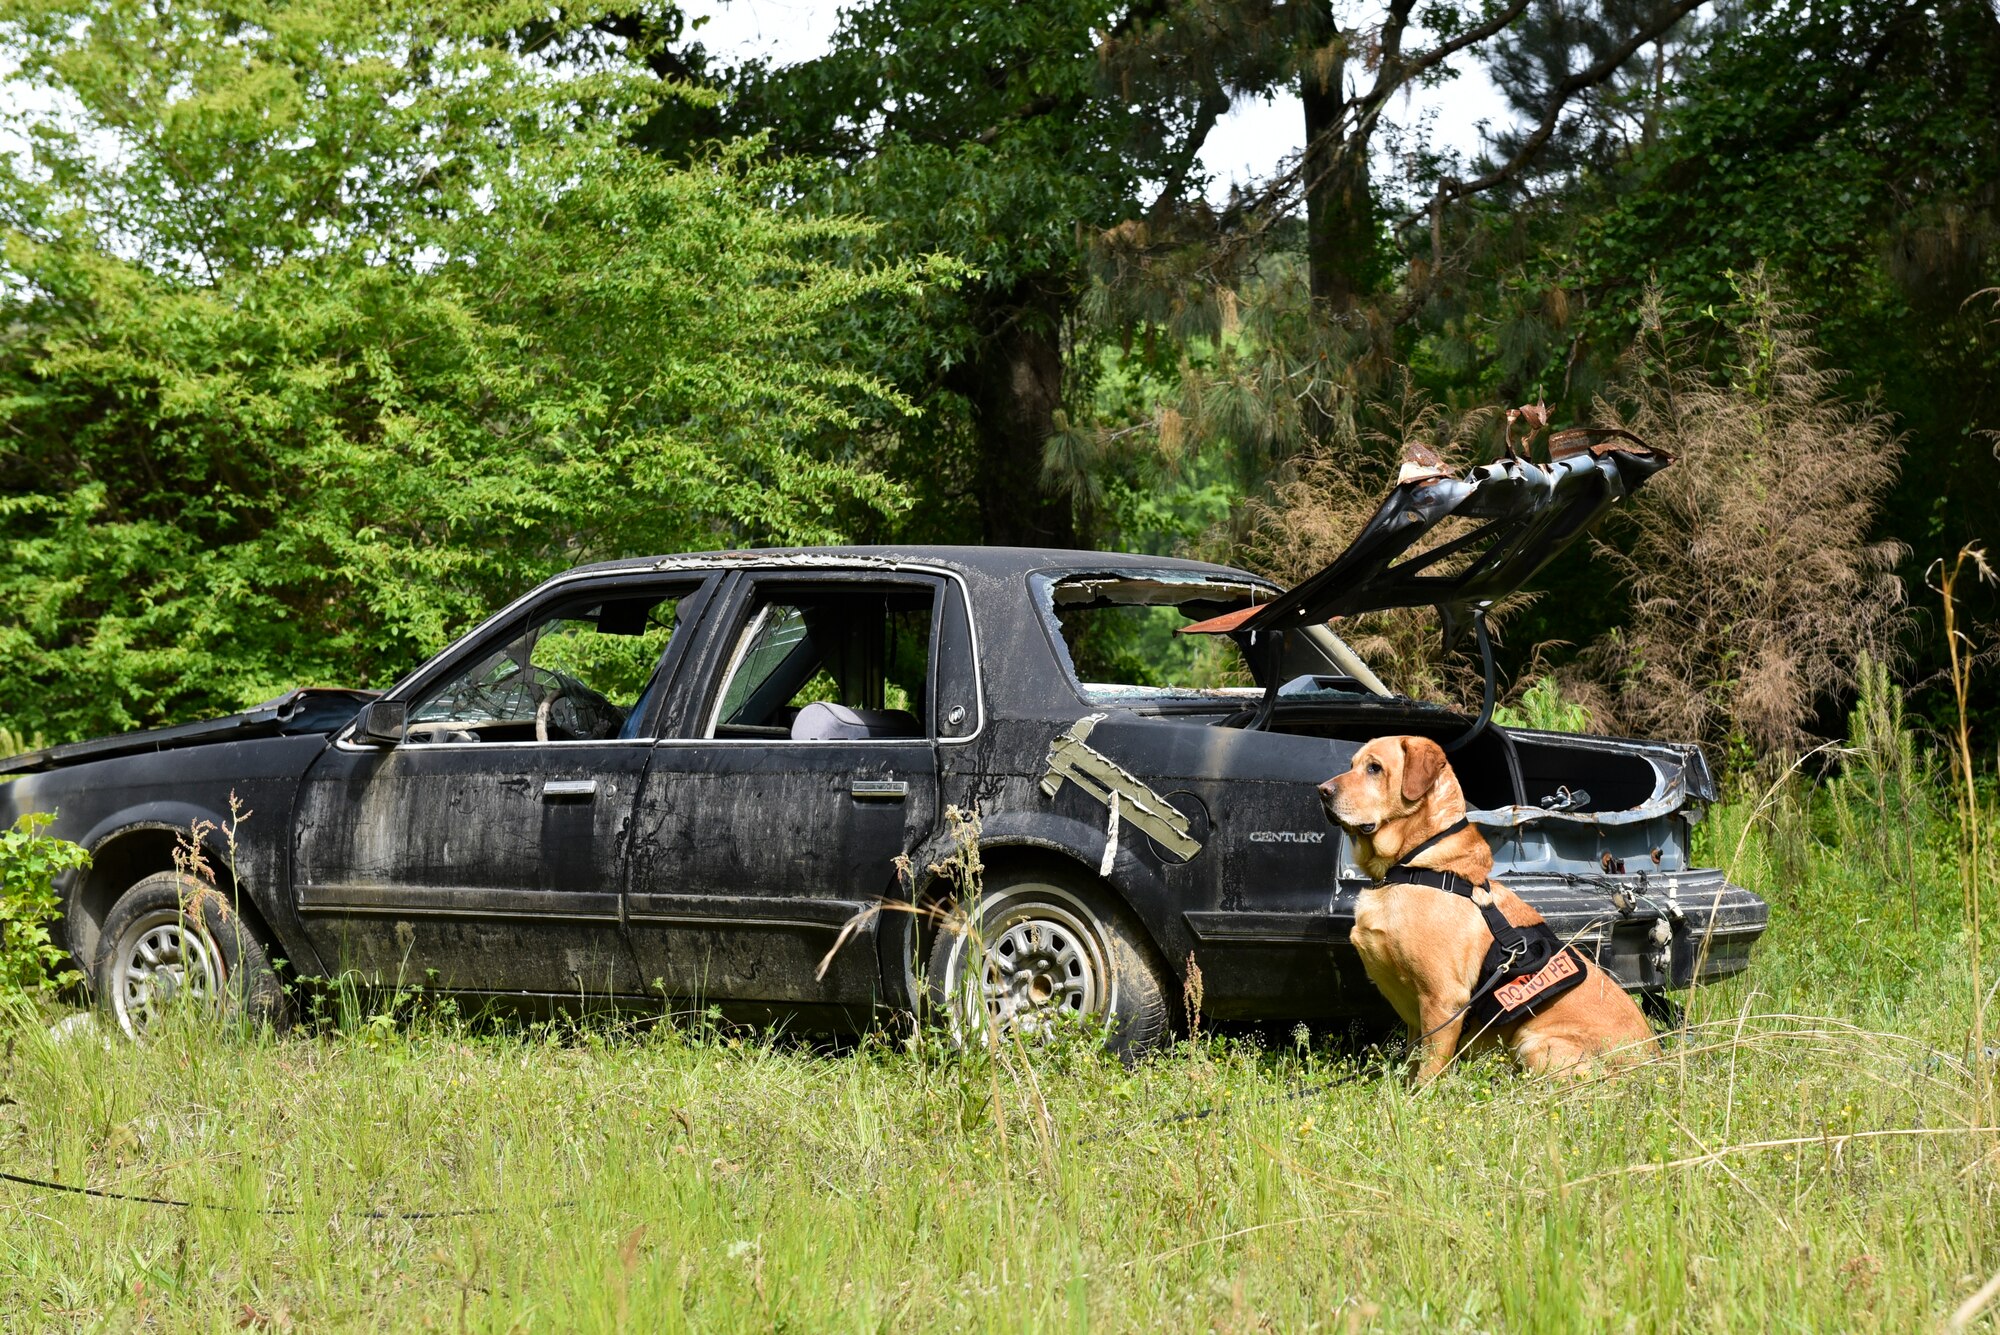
[[1435, 929]]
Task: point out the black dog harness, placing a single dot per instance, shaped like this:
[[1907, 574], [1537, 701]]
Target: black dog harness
[[1525, 968]]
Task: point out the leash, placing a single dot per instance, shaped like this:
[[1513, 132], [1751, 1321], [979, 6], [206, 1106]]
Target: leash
[[1492, 981], [1202, 1114], [98, 1193]]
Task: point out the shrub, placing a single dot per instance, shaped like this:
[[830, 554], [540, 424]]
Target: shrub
[[1756, 592], [29, 863], [327, 327]]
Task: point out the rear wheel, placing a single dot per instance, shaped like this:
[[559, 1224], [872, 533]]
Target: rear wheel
[[1043, 952], [173, 940]]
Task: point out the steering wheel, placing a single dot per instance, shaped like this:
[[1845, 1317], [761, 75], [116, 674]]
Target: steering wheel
[[564, 704], [559, 704], [500, 699], [544, 707], [548, 689]]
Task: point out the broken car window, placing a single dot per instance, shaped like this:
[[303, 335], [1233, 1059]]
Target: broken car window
[[828, 665], [576, 675], [1121, 634]]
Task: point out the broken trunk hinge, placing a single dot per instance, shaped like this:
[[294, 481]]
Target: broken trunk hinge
[[1485, 638], [1269, 648]]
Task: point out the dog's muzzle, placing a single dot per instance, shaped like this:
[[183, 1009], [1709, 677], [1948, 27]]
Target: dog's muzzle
[[1326, 791]]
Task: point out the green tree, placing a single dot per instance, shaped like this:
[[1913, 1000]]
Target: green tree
[[329, 325], [988, 133], [1035, 140], [1853, 151]]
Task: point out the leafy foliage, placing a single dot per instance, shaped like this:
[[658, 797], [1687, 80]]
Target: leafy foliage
[[992, 134], [1542, 705], [1853, 151], [30, 861], [330, 326]]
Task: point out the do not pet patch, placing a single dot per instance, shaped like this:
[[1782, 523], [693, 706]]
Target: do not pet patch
[[1512, 996]]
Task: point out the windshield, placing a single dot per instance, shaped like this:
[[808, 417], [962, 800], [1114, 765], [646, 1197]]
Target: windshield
[[1121, 635]]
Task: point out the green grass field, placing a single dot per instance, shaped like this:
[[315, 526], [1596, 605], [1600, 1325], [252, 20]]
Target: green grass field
[[1816, 1154]]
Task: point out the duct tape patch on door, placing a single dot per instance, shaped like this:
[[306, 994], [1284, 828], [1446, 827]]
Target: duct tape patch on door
[[1124, 794]]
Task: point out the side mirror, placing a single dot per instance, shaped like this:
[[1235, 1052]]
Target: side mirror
[[382, 722]]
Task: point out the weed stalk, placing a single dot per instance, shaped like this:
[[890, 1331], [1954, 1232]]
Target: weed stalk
[[1959, 645]]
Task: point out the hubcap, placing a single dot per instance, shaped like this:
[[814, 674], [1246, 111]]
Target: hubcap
[[1040, 963], [159, 959]]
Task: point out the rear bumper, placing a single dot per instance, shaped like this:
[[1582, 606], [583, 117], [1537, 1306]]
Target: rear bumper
[[1654, 933]]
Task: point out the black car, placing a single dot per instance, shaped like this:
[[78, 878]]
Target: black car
[[686, 777]]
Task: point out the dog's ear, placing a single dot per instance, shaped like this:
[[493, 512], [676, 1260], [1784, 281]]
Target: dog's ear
[[1423, 761]]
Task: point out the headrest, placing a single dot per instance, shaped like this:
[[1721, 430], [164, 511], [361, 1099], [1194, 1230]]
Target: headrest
[[824, 722]]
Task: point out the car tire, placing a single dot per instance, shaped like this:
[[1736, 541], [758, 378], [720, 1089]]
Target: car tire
[[1038, 945], [171, 934]]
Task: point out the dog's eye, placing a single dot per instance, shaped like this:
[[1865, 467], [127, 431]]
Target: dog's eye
[[1374, 768]]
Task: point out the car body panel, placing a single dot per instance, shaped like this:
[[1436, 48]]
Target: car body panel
[[309, 711]]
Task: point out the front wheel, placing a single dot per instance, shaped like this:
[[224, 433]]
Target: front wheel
[[171, 938], [1036, 952]]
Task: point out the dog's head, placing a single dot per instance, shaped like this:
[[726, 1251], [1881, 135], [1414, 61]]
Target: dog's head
[[1398, 793]]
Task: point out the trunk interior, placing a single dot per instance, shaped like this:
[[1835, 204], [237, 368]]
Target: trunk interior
[[1500, 768]]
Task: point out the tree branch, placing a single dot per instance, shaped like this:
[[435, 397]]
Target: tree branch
[[1358, 117], [1559, 99], [1396, 74], [1444, 51], [1394, 26], [1213, 105], [1040, 106]]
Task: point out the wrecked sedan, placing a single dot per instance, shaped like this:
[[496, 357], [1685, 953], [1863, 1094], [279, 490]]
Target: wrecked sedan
[[688, 779]]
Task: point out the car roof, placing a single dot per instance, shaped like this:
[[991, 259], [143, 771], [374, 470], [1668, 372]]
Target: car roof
[[989, 562]]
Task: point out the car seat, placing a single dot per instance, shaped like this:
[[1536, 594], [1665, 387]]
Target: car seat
[[824, 722]]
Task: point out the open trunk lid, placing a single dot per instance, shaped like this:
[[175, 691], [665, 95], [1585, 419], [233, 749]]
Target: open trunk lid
[[1524, 514]]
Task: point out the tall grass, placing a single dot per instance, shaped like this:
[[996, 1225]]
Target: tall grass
[[1812, 1154]]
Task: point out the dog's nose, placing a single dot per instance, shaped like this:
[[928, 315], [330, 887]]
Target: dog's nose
[[1327, 792]]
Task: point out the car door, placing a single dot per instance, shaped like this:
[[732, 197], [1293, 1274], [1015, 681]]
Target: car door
[[486, 851], [801, 770]]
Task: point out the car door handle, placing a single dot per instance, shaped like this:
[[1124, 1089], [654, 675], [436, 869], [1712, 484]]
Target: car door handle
[[879, 790], [570, 788]]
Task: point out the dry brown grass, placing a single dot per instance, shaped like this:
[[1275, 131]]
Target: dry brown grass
[[1756, 589]]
